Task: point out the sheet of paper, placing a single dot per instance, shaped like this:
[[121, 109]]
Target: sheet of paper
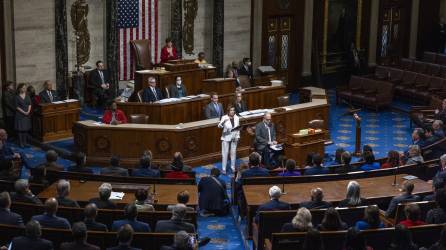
[[71, 100], [117, 195]]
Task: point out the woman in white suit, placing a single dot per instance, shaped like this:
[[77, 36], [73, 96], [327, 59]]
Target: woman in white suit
[[229, 138]]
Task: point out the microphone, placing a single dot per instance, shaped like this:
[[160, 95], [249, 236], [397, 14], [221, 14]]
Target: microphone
[[394, 176]]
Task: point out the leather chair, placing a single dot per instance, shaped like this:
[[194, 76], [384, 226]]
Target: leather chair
[[139, 119], [283, 100], [140, 94], [316, 124], [141, 52]]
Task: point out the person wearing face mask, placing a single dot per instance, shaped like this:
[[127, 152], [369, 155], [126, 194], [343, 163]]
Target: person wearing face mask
[[229, 138], [264, 138], [233, 72], [246, 68], [178, 89]]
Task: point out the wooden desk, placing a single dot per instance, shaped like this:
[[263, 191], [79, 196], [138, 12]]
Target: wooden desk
[[198, 141], [54, 121], [297, 146], [165, 194], [219, 85], [192, 110], [374, 189]]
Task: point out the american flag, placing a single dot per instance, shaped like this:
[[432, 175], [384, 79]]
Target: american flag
[[137, 19]]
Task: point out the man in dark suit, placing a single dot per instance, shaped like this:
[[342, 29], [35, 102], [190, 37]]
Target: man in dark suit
[[79, 232], [32, 239], [213, 198], [63, 190], [239, 104], [145, 168], [125, 237], [317, 202], [23, 193], [254, 167], [9, 107], [131, 218], [317, 167], [48, 95], [176, 223], [114, 168], [182, 240], [152, 93], [103, 201], [90, 213], [407, 196], [178, 89], [100, 80], [214, 109], [265, 137], [7, 156], [246, 68], [274, 204], [6, 216], [49, 218]]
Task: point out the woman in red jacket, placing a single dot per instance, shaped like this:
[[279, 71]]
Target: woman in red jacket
[[114, 116], [168, 52]]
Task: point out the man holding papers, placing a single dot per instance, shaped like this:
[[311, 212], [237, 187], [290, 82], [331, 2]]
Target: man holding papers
[[265, 138], [230, 137]]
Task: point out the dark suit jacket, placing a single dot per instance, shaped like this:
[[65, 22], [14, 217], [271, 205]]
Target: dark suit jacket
[[9, 103], [210, 111], [173, 226], [137, 226], [65, 202], [103, 204], [262, 137], [315, 204], [316, 170], [23, 242], [399, 199], [48, 221], [95, 226], [95, 78], [77, 246], [212, 196], [16, 197], [173, 91], [344, 203], [288, 228], [255, 172], [45, 98], [123, 247], [9, 218], [116, 171], [240, 108], [243, 71], [272, 205], [146, 172], [74, 168], [148, 95]]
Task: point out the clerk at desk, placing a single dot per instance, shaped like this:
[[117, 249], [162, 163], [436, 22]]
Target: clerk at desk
[[178, 89], [152, 93], [48, 95], [114, 116]]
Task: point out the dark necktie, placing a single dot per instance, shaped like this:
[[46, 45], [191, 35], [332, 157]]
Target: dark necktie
[[50, 96]]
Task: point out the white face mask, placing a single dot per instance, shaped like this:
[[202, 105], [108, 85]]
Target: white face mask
[[179, 82]]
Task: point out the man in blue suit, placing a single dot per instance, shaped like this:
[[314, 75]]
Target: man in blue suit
[[254, 167], [49, 218], [131, 214], [145, 168], [406, 197], [125, 237], [213, 198], [32, 239], [214, 109], [317, 167], [274, 204], [152, 93], [6, 216]]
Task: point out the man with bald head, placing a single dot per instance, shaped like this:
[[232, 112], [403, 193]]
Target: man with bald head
[[265, 137], [90, 213], [49, 218], [317, 202], [48, 95]]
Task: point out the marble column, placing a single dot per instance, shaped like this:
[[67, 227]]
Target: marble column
[[257, 34], [61, 48], [218, 36], [176, 24], [112, 44], [308, 39]]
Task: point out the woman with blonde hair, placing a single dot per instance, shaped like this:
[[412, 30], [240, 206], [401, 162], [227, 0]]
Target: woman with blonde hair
[[300, 223]]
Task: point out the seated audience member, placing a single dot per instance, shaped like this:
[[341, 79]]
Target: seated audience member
[[63, 190], [79, 232], [309, 160], [182, 198], [48, 95], [90, 213], [7, 156], [413, 213], [429, 136], [152, 93], [113, 115], [213, 199], [371, 219], [80, 161], [290, 166], [402, 239], [338, 156], [393, 160], [418, 137], [254, 167], [438, 215], [178, 89], [177, 169], [23, 193], [355, 240], [39, 173], [300, 223], [201, 58], [32, 239], [407, 196], [369, 149], [49, 218], [103, 202], [332, 221], [414, 155], [317, 167], [370, 163], [214, 109], [239, 104], [313, 240], [131, 218], [437, 183], [441, 243], [145, 168], [125, 237], [6, 216], [274, 204], [317, 202], [353, 197], [177, 160], [142, 203], [441, 174], [176, 222], [437, 125], [114, 168], [182, 241], [126, 93], [346, 159]]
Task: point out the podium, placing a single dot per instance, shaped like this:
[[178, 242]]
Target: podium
[[219, 85], [298, 146], [54, 121]]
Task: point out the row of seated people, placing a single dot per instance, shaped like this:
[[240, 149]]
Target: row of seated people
[[430, 115], [421, 67], [432, 57]]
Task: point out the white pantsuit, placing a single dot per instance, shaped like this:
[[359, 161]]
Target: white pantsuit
[[229, 140]]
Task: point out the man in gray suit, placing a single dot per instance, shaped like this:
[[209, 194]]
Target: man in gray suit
[[214, 109], [265, 137]]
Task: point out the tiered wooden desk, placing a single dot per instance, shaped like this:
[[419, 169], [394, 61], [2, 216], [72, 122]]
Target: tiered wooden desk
[[219, 85], [299, 146], [53, 121]]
